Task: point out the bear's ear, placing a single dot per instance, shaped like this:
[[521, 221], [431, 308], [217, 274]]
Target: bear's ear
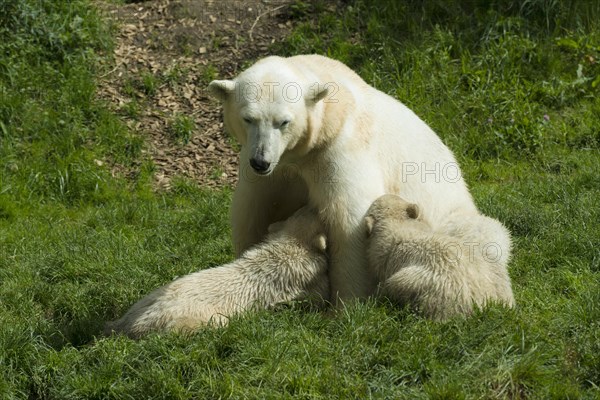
[[316, 96], [413, 211], [320, 242], [221, 89], [369, 222], [276, 226]]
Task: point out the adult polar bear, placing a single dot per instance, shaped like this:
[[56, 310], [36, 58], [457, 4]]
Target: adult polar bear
[[312, 131]]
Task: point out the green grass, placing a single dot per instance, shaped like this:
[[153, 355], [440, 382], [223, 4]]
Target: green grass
[[181, 128], [511, 87]]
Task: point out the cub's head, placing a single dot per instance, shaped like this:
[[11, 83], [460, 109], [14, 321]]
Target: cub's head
[[270, 109], [390, 208], [305, 227]]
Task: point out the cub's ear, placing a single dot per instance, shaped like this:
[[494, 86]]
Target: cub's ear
[[320, 242], [413, 211], [276, 227], [315, 96], [221, 89], [369, 222]]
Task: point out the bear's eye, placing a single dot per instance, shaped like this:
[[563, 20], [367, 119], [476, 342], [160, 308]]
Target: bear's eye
[[248, 120], [284, 123]]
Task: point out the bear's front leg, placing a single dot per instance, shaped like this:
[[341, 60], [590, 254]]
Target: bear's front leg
[[343, 203], [259, 201], [348, 273]]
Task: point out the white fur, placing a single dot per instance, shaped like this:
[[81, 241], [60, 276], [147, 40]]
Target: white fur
[[339, 153], [290, 265], [442, 272]]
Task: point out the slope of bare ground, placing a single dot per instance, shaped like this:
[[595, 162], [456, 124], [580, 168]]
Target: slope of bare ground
[[167, 51]]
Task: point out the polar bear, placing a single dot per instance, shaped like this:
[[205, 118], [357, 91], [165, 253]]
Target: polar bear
[[313, 132], [441, 273], [291, 264]]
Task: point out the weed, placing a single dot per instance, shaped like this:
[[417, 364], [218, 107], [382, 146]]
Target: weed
[[150, 83], [182, 127], [208, 74], [175, 74], [216, 172], [130, 87], [216, 42], [131, 109]]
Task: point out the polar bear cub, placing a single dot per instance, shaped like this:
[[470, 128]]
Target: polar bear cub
[[441, 273], [291, 264]]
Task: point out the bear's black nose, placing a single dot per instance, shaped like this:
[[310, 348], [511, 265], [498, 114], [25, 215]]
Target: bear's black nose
[[260, 166]]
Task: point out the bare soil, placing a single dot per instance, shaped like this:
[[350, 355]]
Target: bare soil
[[167, 51]]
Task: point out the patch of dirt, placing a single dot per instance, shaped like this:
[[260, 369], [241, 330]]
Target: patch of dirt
[[167, 51]]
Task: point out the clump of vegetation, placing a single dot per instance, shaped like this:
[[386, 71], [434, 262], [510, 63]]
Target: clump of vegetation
[[150, 83], [182, 128], [209, 73]]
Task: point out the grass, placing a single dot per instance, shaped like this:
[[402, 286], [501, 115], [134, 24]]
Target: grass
[[182, 127], [511, 87]]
